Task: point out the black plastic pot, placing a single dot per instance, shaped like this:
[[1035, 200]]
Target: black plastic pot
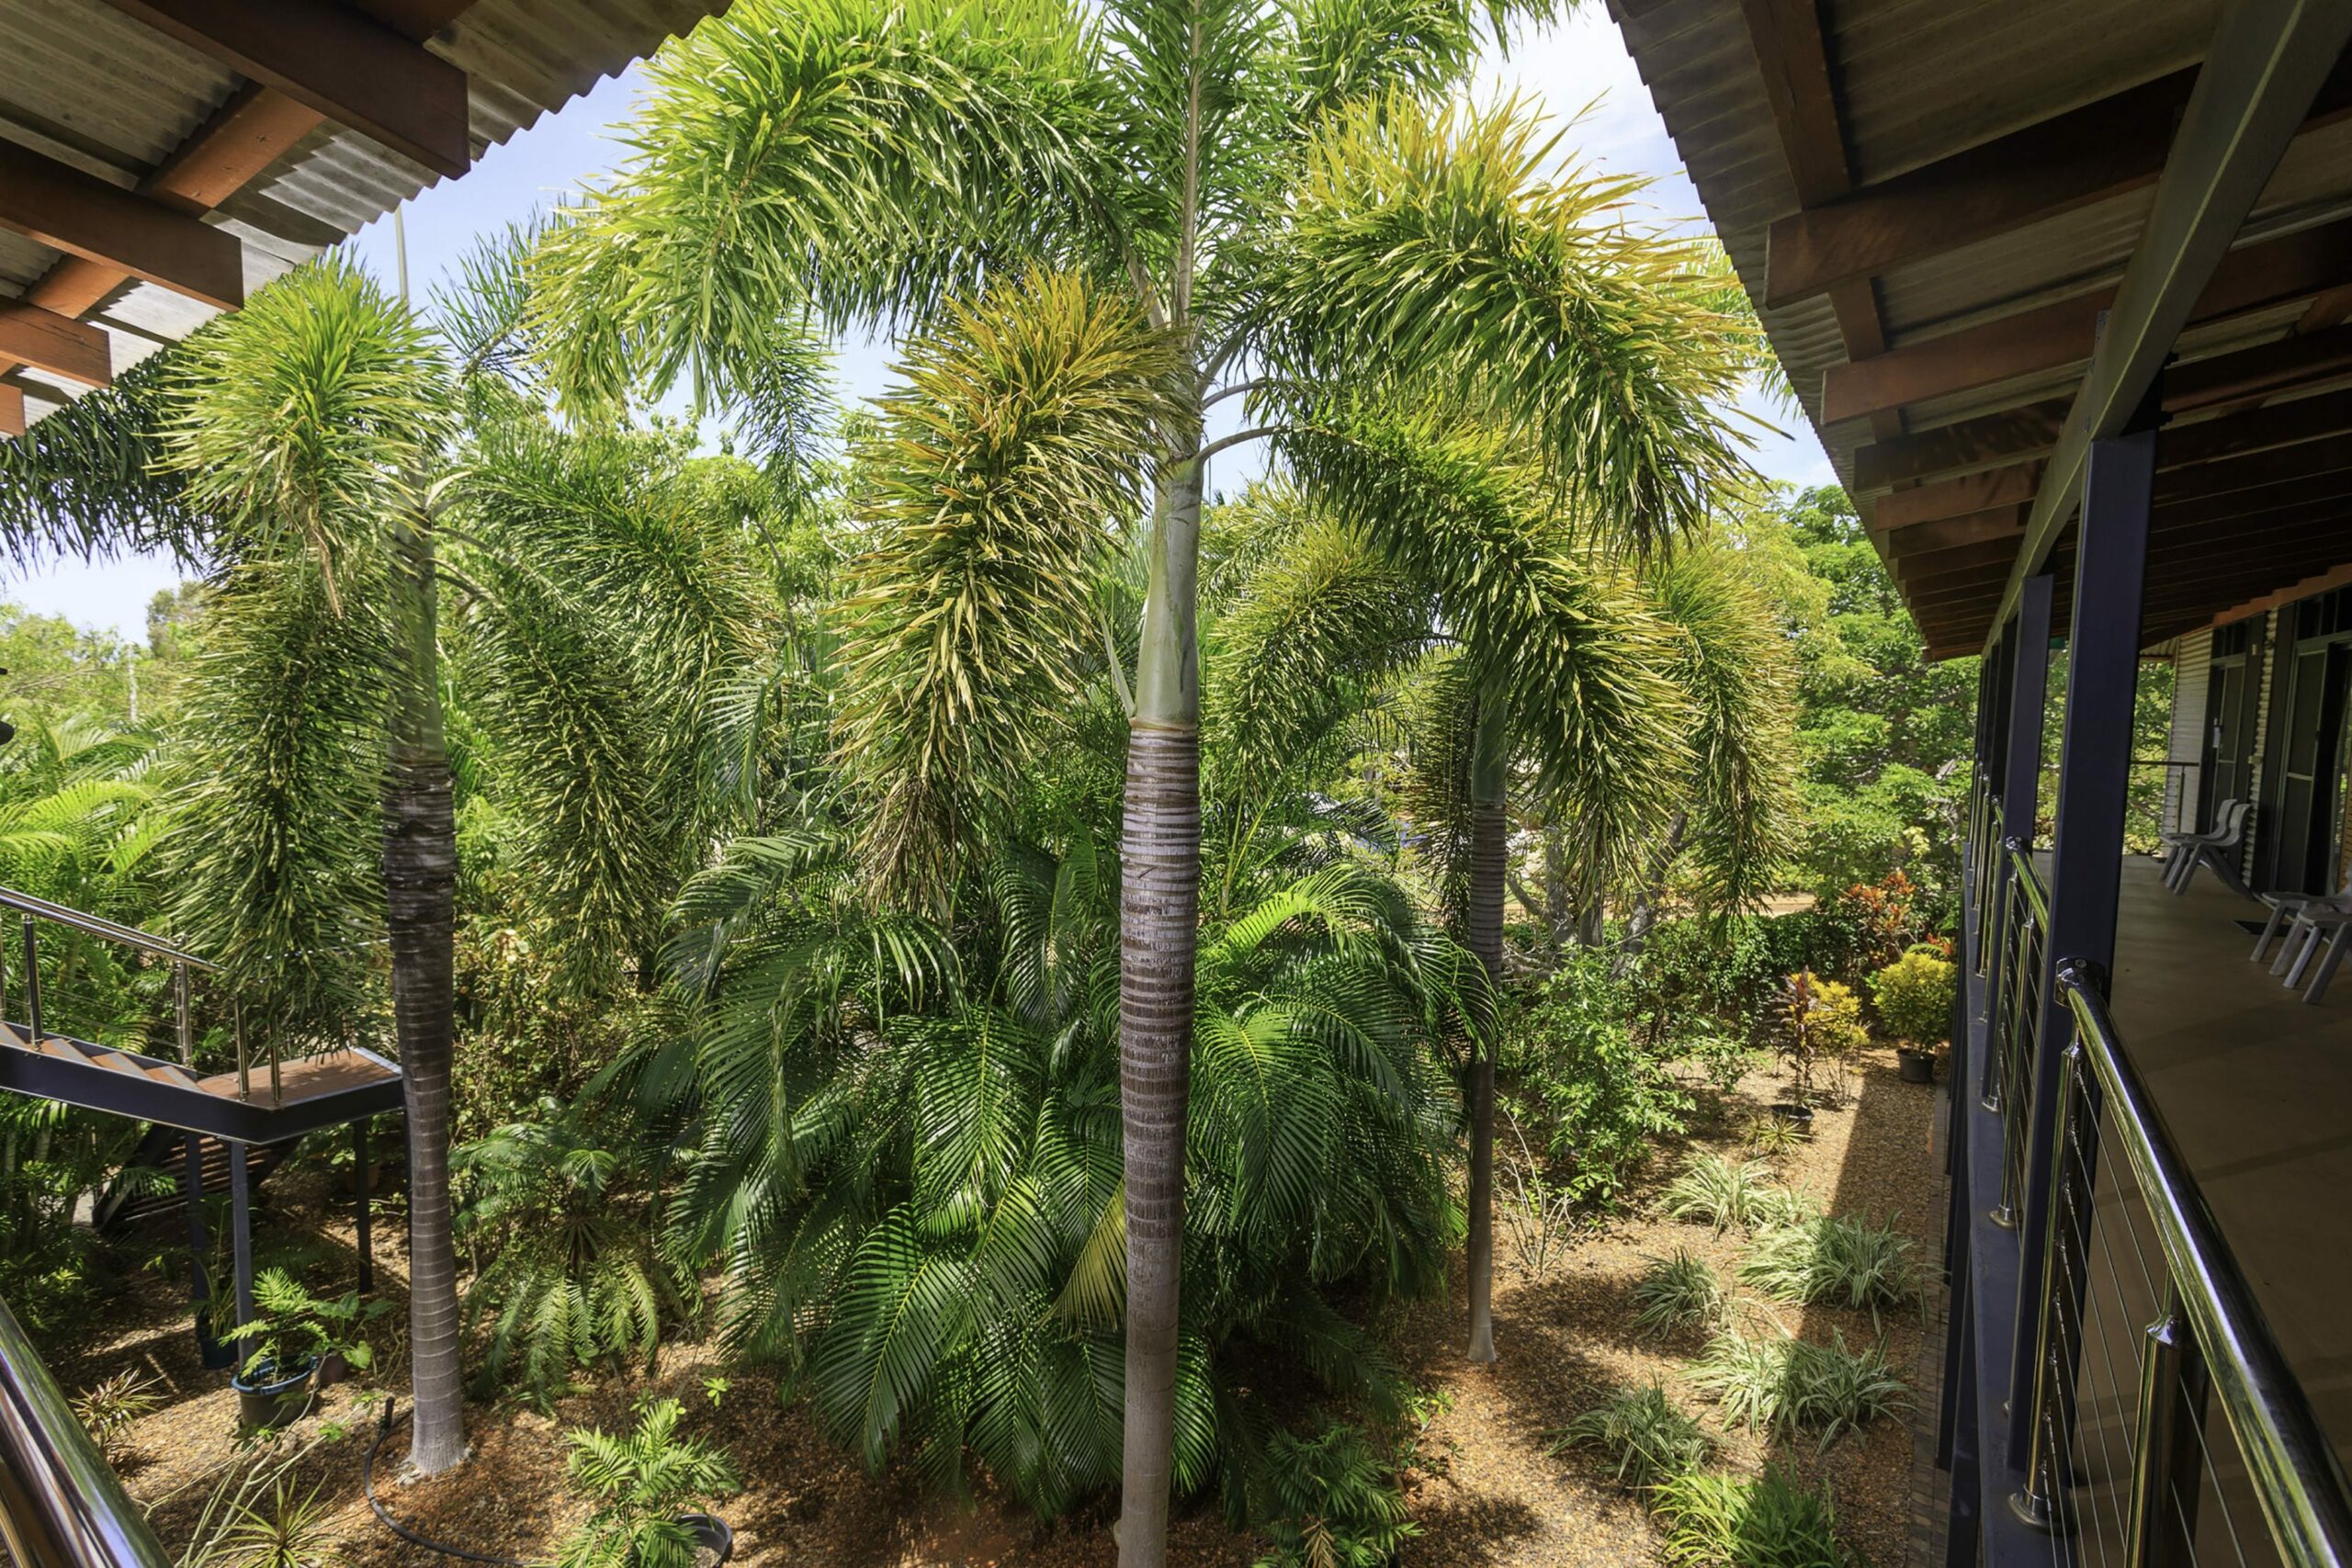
[[218, 1355], [1788, 1110], [710, 1532], [1916, 1067], [274, 1394]]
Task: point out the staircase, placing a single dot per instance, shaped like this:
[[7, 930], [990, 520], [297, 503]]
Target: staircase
[[160, 1151]]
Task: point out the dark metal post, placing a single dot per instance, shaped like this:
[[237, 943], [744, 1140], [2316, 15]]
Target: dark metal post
[[192, 1187], [179, 1011], [360, 1175], [2086, 849], [2028, 684], [240, 1222]]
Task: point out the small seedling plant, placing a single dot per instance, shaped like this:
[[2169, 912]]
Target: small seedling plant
[[640, 1482]]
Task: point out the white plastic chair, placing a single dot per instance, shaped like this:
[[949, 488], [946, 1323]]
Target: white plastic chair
[[2328, 918], [2178, 841], [2213, 850], [2285, 908]]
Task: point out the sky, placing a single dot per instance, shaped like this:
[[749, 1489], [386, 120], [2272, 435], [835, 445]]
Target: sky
[[1577, 69]]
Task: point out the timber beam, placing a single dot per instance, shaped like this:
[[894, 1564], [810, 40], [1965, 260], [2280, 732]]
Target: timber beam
[[2104, 148], [59, 206], [59, 345], [341, 62]]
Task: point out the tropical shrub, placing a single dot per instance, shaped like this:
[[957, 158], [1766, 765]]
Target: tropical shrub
[[291, 1323], [1820, 1021], [107, 1408], [1914, 995], [568, 1273], [1604, 1096], [1783, 1386], [909, 1167], [1733, 1521], [638, 1484], [1677, 1292], [1646, 1437], [1330, 1502], [1849, 1262]]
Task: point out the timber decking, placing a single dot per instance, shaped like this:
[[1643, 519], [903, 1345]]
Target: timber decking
[[301, 1079]]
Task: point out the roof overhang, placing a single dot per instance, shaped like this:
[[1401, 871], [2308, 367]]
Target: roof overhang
[[160, 159], [1983, 235]]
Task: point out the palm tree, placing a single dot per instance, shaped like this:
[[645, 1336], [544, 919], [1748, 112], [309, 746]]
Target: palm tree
[[1275, 194]]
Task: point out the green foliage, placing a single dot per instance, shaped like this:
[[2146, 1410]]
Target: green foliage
[[283, 1530], [567, 1274], [1604, 1096], [1772, 1136], [1677, 1292], [1820, 1021], [107, 1409], [1838, 1259], [1732, 1521], [1914, 996], [1647, 1439], [1330, 1501], [1784, 1386], [1718, 1193], [638, 1483], [291, 1323]]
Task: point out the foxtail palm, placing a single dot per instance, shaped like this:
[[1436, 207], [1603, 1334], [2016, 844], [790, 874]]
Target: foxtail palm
[[1215, 169]]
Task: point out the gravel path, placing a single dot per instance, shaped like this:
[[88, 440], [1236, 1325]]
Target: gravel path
[[1486, 1492]]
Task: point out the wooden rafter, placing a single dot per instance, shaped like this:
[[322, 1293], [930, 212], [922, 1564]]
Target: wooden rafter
[[59, 345], [343, 64], [2102, 149]]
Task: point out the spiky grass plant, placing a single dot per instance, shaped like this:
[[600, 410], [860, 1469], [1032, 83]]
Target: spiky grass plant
[[1775, 1205], [1839, 1260], [1732, 1521], [1783, 1386], [107, 1409], [1647, 1437], [1677, 1292], [1770, 1137], [1717, 1192]]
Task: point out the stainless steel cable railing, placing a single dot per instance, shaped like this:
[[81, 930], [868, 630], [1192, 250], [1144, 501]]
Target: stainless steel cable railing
[[2020, 916], [60, 1506], [2145, 1329], [33, 911]]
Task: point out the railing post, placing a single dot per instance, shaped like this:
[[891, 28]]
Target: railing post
[[2050, 1395], [2165, 1447], [2087, 848], [32, 982], [244, 1066], [180, 1011]]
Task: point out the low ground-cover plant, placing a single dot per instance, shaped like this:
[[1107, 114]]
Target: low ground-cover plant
[[1328, 1502], [1784, 1386], [1770, 1137], [1717, 1192], [640, 1483], [1732, 1521], [1841, 1261], [1677, 1292], [1647, 1437], [1914, 995]]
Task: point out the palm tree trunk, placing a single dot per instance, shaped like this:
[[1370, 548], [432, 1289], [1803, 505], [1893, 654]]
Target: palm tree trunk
[[1489, 833], [1159, 895], [1642, 918], [420, 889]]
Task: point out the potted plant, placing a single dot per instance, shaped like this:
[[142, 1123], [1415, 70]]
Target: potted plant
[[301, 1342], [652, 1490], [1914, 996]]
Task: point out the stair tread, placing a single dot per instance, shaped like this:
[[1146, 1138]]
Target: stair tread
[[308, 1077]]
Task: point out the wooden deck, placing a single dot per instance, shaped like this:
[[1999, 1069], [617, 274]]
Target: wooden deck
[[306, 1078], [2254, 1085]]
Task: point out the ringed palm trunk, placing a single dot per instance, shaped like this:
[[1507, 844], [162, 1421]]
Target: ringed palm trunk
[[1159, 928], [1490, 772], [420, 888]]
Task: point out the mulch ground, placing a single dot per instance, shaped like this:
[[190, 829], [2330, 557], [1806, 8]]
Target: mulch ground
[[1485, 1491]]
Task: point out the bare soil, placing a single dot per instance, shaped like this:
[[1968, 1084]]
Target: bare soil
[[1486, 1488]]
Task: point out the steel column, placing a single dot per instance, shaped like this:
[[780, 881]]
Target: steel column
[[2087, 848], [192, 1187], [240, 1220], [2029, 687], [360, 1175]]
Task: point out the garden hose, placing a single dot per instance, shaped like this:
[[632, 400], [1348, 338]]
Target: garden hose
[[367, 1484]]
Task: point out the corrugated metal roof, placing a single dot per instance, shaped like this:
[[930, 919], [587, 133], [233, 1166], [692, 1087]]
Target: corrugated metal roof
[[1917, 81], [86, 84]]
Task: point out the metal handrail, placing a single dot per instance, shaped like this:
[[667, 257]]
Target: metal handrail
[[2303, 1491], [60, 1506], [97, 925], [2037, 897]]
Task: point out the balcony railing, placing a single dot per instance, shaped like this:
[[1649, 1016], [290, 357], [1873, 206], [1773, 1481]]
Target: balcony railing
[[60, 1505], [2016, 947], [2142, 1329]]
